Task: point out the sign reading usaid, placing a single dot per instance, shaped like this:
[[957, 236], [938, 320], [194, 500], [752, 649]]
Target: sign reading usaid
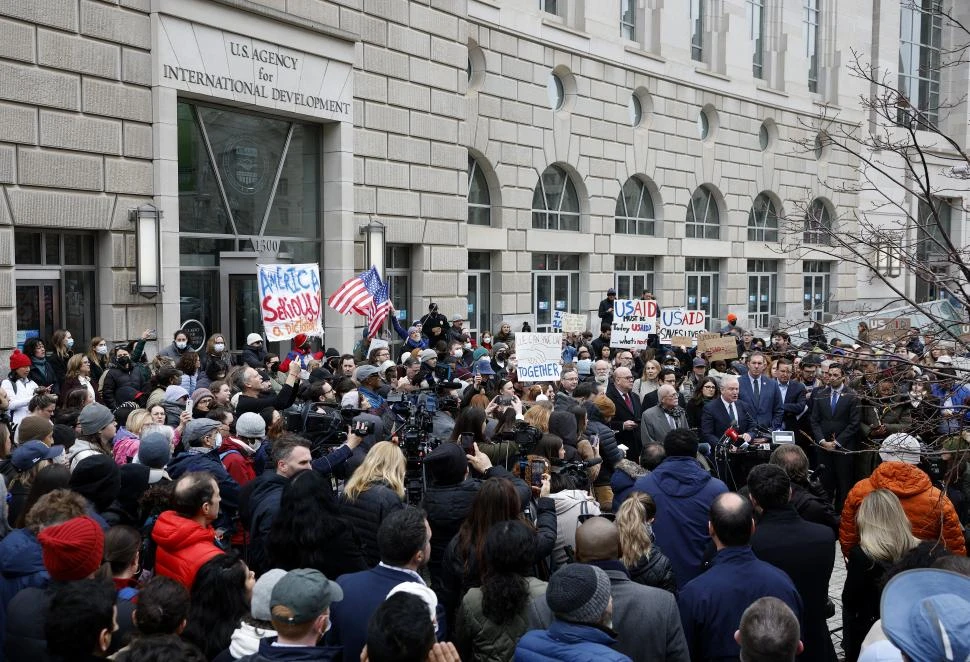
[[205, 60]]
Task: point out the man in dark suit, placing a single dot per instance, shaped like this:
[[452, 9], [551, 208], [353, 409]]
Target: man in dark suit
[[794, 398], [626, 422], [836, 415], [729, 412], [761, 394], [666, 376], [404, 539], [804, 550]]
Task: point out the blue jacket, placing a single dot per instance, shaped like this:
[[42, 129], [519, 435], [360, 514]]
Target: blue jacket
[[567, 642], [187, 462], [363, 594], [683, 492], [21, 566], [269, 653], [712, 604]]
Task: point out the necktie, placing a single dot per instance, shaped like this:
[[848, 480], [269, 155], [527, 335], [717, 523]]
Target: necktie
[[757, 391], [835, 399], [734, 413], [629, 403]]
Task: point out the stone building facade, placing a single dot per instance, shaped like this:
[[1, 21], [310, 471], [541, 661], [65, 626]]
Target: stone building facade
[[523, 156]]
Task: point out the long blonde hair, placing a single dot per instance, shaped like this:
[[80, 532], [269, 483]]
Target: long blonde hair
[[885, 533], [631, 523], [383, 462]]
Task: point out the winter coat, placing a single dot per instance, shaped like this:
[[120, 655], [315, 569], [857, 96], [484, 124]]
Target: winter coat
[[568, 642], [237, 461], [683, 492], [254, 358], [654, 570], [245, 640], [860, 599], [188, 462], [120, 385], [609, 451], [571, 505], [813, 505], [43, 374], [183, 547], [480, 639], [624, 476], [264, 504], [82, 449], [19, 392], [366, 514], [270, 653], [929, 511], [21, 566], [25, 639], [125, 447]]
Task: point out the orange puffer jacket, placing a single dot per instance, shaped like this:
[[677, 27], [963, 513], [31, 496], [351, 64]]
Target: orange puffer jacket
[[928, 510]]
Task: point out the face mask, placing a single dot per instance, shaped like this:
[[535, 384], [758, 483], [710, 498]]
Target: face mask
[[218, 442], [124, 361], [458, 353], [219, 347], [468, 345], [70, 343], [486, 339], [181, 344], [102, 349]]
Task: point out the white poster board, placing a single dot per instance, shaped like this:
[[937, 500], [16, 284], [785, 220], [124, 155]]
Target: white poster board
[[568, 322], [680, 323], [634, 321], [290, 300], [539, 355]]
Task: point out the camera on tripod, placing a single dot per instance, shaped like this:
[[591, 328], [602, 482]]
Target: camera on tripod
[[416, 412]]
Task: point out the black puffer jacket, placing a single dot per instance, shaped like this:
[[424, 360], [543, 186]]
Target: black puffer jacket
[[812, 503], [655, 571], [609, 451], [120, 385], [448, 505], [367, 512]]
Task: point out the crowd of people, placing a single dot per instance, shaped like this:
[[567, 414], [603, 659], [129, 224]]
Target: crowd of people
[[412, 499]]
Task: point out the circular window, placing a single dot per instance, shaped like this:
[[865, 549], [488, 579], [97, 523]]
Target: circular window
[[635, 109], [820, 142], [476, 66], [556, 92], [767, 134], [703, 125]]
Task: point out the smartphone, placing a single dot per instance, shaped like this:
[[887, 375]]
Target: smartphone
[[537, 469], [188, 405], [505, 400], [594, 440], [467, 441]]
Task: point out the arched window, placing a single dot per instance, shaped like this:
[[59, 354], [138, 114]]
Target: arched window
[[479, 200], [703, 218], [555, 203], [634, 209], [818, 224], [763, 219]]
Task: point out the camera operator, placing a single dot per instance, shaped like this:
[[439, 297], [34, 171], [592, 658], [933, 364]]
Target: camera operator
[[255, 392], [448, 499]]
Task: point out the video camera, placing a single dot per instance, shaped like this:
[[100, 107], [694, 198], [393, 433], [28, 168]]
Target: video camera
[[525, 436], [414, 420], [323, 425]]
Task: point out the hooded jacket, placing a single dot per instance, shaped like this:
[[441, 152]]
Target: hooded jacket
[[183, 547], [683, 492], [237, 458], [367, 512], [570, 506], [82, 449], [929, 511], [21, 566], [264, 504], [270, 653]]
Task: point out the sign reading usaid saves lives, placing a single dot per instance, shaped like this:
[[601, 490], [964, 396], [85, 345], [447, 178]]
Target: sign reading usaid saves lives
[[679, 326], [290, 302], [634, 320], [540, 356]]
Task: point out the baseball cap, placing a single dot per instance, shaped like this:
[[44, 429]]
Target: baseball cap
[[303, 594], [700, 363], [27, 455], [457, 318], [365, 372], [611, 291], [926, 614]]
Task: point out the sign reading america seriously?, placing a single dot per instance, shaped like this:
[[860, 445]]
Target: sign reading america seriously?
[[290, 300]]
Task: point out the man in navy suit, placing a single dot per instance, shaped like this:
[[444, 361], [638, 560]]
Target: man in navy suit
[[626, 421], [404, 539], [719, 415], [835, 416], [761, 394], [794, 398]]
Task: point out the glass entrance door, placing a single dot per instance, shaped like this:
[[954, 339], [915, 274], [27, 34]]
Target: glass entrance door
[[38, 309], [245, 317], [702, 287], [553, 291]]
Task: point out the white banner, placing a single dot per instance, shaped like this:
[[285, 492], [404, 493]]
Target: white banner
[[539, 355], [634, 320], [568, 322], [680, 323], [290, 302]]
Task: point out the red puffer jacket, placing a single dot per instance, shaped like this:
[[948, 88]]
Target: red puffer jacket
[[928, 510], [183, 547]]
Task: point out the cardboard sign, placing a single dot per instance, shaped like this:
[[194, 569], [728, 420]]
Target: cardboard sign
[[888, 329], [540, 356], [568, 322], [634, 321], [717, 347], [680, 323], [290, 300]]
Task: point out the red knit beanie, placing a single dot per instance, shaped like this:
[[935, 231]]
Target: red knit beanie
[[19, 360], [72, 550]]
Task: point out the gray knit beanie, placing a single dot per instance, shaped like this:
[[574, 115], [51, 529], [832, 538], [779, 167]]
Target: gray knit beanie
[[579, 593], [94, 418]]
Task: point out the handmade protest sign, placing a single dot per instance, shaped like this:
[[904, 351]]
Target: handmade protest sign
[[634, 320], [540, 356], [680, 323], [568, 322], [290, 300], [889, 329], [717, 347]]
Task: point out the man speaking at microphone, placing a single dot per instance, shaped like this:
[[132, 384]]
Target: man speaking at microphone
[[728, 421]]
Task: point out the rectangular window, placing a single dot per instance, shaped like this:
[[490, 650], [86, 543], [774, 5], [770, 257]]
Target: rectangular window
[[479, 292], [756, 27], [397, 274], [810, 35], [634, 275], [697, 30], [628, 19], [933, 233], [762, 283], [703, 284], [556, 288], [817, 284], [920, 44], [549, 6]]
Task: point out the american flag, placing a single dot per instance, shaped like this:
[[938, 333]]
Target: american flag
[[377, 311], [357, 294]]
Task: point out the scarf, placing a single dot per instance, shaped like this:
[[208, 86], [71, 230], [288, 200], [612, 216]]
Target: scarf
[[674, 412]]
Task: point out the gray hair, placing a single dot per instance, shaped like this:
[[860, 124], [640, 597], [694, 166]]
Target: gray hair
[[665, 390], [727, 379]]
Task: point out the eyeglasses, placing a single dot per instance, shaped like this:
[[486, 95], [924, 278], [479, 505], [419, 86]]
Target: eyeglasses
[[709, 386]]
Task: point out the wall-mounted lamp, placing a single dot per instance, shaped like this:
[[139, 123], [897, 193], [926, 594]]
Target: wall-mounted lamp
[[374, 233], [148, 275]]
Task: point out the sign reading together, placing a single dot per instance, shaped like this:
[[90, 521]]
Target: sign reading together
[[540, 356], [290, 300]]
